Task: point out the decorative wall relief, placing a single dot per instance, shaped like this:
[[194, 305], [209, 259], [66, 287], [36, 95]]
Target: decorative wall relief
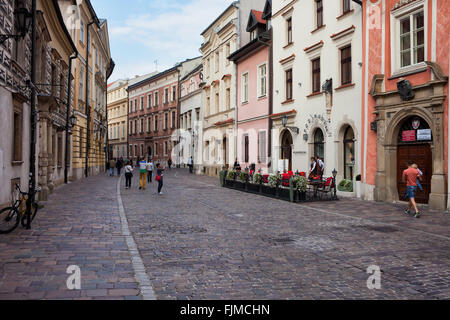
[[318, 120]]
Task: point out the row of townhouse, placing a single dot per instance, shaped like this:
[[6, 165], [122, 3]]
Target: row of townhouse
[[59, 57], [361, 84]]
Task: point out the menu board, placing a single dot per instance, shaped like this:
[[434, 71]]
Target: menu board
[[409, 135]]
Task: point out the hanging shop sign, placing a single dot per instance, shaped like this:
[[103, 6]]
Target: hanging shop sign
[[409, 135], [424, 135]]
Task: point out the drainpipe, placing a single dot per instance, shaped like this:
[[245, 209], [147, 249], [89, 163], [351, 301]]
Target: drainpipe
[[88, 109], [69, 93]]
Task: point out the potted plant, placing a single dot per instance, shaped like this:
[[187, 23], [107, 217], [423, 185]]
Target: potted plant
[[231, 176], [240, 184], [358, 186], [300, 184], [256, 181], [270, 188]]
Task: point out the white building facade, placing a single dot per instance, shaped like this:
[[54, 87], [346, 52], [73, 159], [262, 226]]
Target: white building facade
[[317, 59]]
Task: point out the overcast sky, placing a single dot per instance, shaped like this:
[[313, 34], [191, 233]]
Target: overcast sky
[[142, 31]]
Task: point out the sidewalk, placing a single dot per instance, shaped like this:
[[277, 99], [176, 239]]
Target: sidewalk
[[80, 225]]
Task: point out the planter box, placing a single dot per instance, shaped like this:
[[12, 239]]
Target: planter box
[[284, 194], [239, 185], [229, 183], [268, 191], [253, 188], [300, 196]]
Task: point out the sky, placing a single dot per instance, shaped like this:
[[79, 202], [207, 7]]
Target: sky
[[142, 31]]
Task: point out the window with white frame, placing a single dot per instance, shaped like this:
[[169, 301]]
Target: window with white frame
[[412, 39], [141, 107], [149, 102], [262, 147], [262, 80], [166, 95], [244, 93]]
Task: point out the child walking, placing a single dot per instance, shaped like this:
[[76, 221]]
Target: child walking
[[159, 177]]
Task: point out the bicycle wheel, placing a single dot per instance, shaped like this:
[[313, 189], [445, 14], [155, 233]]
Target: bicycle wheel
[[9, 220], [33, 215]]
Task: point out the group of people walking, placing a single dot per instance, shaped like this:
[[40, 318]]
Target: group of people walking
[[146, 169]]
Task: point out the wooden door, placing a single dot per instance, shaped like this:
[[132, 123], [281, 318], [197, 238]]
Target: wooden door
[[421, 155]]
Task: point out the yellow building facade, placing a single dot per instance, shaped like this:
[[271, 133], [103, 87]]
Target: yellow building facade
[[117, 119], [91, 71]]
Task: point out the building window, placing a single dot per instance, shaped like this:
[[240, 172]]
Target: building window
[[135, 150], [217, 102], [142, 125], [318, 144], [349, 153], [319, 13], [149, 101], [17, 137], [141, 107], [174, 93], [81, 31], [346, 65], [135, 127], [217, 61], [156, 123], [253, 35], [166, 95], [165, 148], [316, 75], [346, 6], [246, 148], [142, 150], [149, 124], [262, 82], [244, 93], [60, 150], [173, 119], [289, 30], [155, 149], [228, 98], [227, 53], [135, 105], [130, 129], [208, 105], [156, 99], [289, 84], [412, 39]]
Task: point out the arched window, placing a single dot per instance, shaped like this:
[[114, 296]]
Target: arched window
[[319, 144], [349, 153]]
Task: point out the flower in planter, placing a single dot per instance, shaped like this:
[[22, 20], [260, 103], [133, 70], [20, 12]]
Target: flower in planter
[[231, 174], [274, 180], [257, 178], [243, 176], [300, 183]]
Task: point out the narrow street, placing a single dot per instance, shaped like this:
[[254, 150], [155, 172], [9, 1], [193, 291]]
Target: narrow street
[[201, 241]]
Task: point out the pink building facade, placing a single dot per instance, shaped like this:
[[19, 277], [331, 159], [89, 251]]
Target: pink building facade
[[253, 122]]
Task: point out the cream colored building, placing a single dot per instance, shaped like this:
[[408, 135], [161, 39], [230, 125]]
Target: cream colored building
[[117, 119], [90, 35], [221, 38]]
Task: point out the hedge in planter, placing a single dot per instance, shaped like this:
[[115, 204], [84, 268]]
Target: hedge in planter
[[345, 186]]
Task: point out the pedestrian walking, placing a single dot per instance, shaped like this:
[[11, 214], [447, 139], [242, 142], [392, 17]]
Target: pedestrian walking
[[159, 177], [128, 175], [142, 173], [112, 165], [191, 165], [119, 165], [169, 163], [410, 177], [149, 171]]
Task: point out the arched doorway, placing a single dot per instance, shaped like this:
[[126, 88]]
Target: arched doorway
[[414, 144], [349, 153], [319, 144], [286, 148]]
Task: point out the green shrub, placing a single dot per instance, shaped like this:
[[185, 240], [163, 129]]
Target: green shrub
[[257, 178], [345, 186], [300, 183], [243, 176], [231, 175]]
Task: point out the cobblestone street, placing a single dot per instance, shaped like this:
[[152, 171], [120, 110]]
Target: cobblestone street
[[201, 241]]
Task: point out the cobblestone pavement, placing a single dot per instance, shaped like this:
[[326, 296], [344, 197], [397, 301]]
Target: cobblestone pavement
[[200, 241], [80, 225]]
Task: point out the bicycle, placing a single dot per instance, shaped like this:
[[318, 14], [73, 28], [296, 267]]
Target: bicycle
[[10, 217]]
